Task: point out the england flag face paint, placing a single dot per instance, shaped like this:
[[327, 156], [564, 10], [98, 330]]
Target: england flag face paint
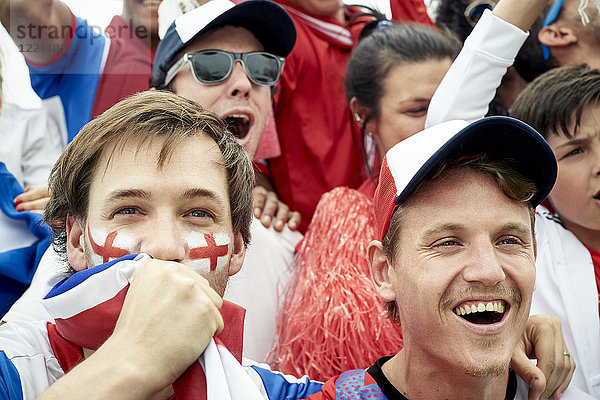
[[208, 251], [107, 246]]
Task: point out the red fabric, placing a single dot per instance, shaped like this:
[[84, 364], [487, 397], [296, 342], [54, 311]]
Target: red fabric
[[321, 147], [384, 200], [91, 328], [190, 385], [128, 67], [369, 186], [67, 353], [410, 10], [596, 260]]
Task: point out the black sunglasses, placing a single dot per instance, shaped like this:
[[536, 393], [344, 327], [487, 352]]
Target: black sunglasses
[[215, 66], [475, 10]]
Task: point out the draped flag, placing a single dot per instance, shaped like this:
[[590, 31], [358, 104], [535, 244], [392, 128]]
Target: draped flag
[[86, 307]]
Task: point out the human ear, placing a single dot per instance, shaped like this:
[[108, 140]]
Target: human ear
[[238, 254], [75, 243], [360, 113], [557, 36], [381, 271]]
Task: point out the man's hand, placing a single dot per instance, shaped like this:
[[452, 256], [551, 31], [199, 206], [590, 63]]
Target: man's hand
[[33, 199], [266, 205], [169, 315], [543, 339]]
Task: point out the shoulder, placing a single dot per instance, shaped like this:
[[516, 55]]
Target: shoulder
[[27, 363]]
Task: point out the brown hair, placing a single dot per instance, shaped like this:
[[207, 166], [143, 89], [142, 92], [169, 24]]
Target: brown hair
[[512, 183], [141, 118], [556, 99]]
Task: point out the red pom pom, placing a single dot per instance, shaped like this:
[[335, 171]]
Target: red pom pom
[[331, 319]]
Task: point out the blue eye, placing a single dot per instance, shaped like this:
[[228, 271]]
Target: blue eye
[[200, 214], [574, 152], [127, 211]]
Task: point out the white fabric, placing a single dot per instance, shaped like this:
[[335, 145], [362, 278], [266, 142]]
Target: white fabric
[[27, 346], [471, 82], [565, 273], [16, 84], [31, 144], [50, 271], [258, 284], [406, 158], [168, 10], [190, 23], [566, 288]]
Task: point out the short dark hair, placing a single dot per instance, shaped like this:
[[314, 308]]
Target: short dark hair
[[150, 115], [512, 183], [556, 99]]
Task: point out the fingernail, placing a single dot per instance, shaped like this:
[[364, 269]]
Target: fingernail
[[17, 200], [257, 212], [279, 224], [266, 219], [20, 208]]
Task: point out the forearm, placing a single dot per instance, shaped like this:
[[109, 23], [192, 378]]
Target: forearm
[[471, 82], [520, 13], [105, 374], [41, 24]]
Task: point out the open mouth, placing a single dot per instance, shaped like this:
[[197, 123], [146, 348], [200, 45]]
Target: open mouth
[[481, 313], [238, 125]]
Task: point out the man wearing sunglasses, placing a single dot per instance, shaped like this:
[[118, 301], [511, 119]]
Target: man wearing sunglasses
[[228, 58]]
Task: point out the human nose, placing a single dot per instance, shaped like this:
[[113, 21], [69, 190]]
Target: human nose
[[483, 266], [240, 84], [164, 242]]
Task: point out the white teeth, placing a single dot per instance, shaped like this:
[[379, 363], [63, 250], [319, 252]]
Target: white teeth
[[241, 116], [496, 306]]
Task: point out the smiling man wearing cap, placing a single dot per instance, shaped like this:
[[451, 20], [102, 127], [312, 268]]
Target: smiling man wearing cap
[[455, 256]]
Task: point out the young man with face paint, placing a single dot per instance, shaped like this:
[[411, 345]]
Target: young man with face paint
[[133, 182]]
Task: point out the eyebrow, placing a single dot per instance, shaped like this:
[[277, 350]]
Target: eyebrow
[[204, 193], [415, 100], [128, 193], [451, 227], [574, 142], [442, 229], [517, 227]]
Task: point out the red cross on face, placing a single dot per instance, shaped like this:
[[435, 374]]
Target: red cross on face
[[211, 251], [107, 251]]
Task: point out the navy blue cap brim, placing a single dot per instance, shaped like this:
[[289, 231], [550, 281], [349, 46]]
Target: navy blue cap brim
[[497, 138]]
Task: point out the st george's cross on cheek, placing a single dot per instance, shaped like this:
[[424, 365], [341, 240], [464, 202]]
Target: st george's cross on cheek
[[208, 252]]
